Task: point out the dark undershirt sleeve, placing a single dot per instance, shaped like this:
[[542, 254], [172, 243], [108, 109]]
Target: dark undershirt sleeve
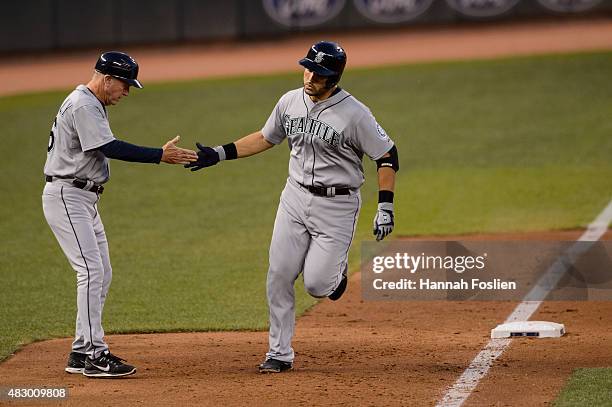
[[120, 150]]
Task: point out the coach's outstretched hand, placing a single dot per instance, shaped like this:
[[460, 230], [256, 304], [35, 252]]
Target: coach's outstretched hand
[[176, 155], [207, 157], [383, 221]]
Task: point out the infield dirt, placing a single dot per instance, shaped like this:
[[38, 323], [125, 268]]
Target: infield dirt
[[347, 353]]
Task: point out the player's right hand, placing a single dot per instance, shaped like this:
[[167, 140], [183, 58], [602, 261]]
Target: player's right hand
[[176, 155], [383, 221], [207, 157]]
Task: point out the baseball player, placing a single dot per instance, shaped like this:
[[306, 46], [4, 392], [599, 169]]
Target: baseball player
[[80, 145], [328, 131]]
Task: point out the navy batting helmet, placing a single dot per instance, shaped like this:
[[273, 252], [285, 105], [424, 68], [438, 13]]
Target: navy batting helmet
[[119, 65], [326, 58]]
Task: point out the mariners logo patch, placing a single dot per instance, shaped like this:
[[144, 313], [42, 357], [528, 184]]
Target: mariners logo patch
[[381, 132], [319, 57]]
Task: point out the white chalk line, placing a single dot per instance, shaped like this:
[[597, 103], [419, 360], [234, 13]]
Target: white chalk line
[[456, 395]]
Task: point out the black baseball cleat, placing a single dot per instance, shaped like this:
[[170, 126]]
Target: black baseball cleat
[[76, 363], [274, 366], [107, 365], [337, 293]]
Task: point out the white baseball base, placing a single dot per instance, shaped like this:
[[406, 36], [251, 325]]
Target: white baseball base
[[534, 329]]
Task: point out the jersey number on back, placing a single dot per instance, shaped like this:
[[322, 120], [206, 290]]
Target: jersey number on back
[[52, 136]]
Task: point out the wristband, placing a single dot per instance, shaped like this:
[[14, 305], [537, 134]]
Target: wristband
[[221, 152], [227, 152], [231, 153], [385, 196]]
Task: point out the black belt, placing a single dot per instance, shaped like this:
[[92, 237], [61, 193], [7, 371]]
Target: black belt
[[326, 191], [79, 183]]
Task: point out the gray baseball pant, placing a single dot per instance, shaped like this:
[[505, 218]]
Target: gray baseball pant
[[312, 235], [72, 214]]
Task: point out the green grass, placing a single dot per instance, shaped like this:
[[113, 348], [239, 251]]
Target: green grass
[[505, 145], [587, 387]]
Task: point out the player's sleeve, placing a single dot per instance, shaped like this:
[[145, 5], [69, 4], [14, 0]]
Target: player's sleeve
[[92, 127], [369, 137], [124, 151], [274, 129]]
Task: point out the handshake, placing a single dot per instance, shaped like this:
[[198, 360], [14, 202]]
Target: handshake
[[205, 157]]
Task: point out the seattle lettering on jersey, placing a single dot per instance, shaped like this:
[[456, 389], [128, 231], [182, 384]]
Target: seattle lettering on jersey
[[314, 127]]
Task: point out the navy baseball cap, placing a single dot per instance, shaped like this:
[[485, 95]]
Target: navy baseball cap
[[326, 58], [119, 65]]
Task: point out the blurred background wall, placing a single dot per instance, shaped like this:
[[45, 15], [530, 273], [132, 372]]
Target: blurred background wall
[[30, 25]]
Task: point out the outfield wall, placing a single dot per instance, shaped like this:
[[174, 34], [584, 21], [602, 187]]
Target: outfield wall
[[30, 25]]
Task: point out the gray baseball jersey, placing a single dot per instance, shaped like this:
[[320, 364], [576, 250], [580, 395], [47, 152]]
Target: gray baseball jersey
[[80, 127], [327, 139], [312, 234]]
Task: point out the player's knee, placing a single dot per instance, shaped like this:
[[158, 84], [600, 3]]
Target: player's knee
[[279, 281], [318, 289], [279, 275], [90, 280]]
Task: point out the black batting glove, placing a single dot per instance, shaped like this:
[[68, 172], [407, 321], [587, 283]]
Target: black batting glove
[[207, 157]]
